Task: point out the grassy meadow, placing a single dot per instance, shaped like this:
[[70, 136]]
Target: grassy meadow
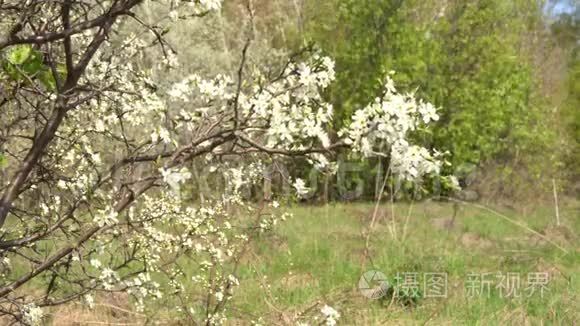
[[318, 256]]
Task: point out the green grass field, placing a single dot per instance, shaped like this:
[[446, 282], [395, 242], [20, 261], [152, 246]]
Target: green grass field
[[317, 258]]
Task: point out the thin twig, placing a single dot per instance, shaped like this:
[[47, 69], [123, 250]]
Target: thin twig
[[374, 218], [556, 202]]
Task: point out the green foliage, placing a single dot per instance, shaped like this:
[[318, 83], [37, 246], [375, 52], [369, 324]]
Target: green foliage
[[571, 113], [485, 86], [464, 57], [19, 54], [24, 64], [566, 31], [358, 37], [3, 161]]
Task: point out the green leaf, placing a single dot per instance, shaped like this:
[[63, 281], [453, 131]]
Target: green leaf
[[33, 64], [47, 79], [22, 62], [18, 54], [3, 161], [12, 72]]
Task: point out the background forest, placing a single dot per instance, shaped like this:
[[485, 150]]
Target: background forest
[[503, 73]]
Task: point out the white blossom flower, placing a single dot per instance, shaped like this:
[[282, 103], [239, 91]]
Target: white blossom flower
[[233, 280], [154, 137], [300, 187], [61, 184], [174, 15], [164, 135], [389, 120], [170, 60], [175, 178], [454, 183], [211, 4], [103, 218], [99, 125], [32, 315], [96, 263], [428, 112], [89, 300], [306, 77], [330, 314]]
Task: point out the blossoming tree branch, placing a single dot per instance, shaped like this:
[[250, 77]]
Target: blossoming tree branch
[[96, 143]]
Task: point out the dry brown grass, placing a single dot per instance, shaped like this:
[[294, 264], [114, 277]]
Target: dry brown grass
[[112, 309]]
